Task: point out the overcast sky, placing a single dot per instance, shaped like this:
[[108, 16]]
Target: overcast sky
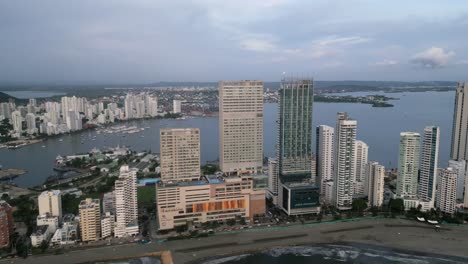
[[208, 40]]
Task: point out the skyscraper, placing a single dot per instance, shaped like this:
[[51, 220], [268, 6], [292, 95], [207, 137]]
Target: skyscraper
[[273, 179], [408, 165], [6, 223], [177, 106], [429, 158], [295, 129], [17, 121], [344, 161], [375, 175], [50, 202], [90, 219], [459, 149], [460, 168], [298, 193], [241, 126], [126, 207], [447, 191], [361, 159], [180, 154], [31, 123], [324, 156]]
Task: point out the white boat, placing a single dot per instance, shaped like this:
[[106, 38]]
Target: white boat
[[43, 146], [432, 222], [421, 219], [60, 140]]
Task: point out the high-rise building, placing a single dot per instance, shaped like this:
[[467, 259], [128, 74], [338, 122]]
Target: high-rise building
[[429, 159], [50, 202], [129, 106], [126, 203], [361, 159], [17, 121], [324, 156], [180, 154], [298, 193], [460, 168], [447, 192], [6, 223], [31, 123], [108, 203], [273, 179], [177, 106], [375, 175], [408, 165], [107, 225], [459, 149], [90, 219], [241, 126], [344, 161]]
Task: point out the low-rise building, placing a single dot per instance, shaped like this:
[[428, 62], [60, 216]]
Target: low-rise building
[[41, 234], [210, 199], [51, 221]]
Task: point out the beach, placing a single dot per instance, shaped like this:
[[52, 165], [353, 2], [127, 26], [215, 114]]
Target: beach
[[392, 233]]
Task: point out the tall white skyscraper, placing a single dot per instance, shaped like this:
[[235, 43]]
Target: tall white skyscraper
[[344, 161], [324, 156], [50, 202], [361, 159], [17, 121], [241, 126], [460, 168], [459, 149], [408, 165], [429, 159], [447, 192], [180, 154], [31, 123], [129, 106], [126, 207], [375, 175], [177, 106]]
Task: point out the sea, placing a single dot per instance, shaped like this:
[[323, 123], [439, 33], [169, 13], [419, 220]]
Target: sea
[[378, 127], [335, 254]]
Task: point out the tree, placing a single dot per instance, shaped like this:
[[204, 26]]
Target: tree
[[374, 210], [44, 246], [359, 205], [242, 221], [181, 229], [231, 222], [319, 217], [397, 205]]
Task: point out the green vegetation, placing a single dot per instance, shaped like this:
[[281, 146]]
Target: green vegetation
[[26, 211], [359, 205], [5, 128], [209, 169], [70, 203], [377, 101], [396, 206]]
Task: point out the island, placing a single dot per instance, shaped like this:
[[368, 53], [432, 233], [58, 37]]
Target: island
[[374, 100]]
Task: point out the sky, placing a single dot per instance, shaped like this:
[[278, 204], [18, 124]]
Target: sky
[[144, 41]]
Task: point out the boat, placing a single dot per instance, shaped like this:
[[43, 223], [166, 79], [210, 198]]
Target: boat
[[61, 140], [432, 222], [43, 146], [421, 219]]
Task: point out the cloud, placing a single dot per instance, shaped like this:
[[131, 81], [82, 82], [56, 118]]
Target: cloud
[[432, 58], [332, 45], [261, 45], [387, 62], [462, 62]]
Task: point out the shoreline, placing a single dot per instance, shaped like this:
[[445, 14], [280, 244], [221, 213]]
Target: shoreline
[[390, 233]]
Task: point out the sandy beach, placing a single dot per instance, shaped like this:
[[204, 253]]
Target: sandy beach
[[392, 233]]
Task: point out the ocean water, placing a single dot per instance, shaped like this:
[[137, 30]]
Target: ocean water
[[378, 127], [32, 94], [334, 254]]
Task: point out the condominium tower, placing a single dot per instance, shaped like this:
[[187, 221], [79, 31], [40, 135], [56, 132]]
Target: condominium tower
[[126, 207], [180, 154], [90, 219], [344, 161], [324, 156], [50, 202], [361, 159], [241, 126], [459, 149], [447, 191], [375, 174], [408, 165], [429, 158]]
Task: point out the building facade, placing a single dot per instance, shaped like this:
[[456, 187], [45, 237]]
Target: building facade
[[6, 223], [361, 159], [50, 202], [324, 156], [90, 219], [210, 199], [459, 150], [273, 180], [344, 161], [126, 203], [180, 154], [447, 193], [460, 168], [429, 159], [408, 165], [241, 127], [375, 183]]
